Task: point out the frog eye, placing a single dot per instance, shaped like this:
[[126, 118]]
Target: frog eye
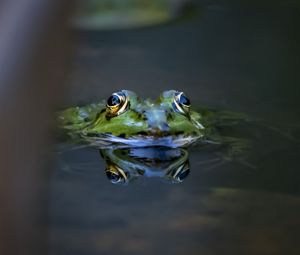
[[115, 174], [181, 103], [117, 103]]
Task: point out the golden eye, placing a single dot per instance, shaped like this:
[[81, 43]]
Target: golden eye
[[117, 103], [115, 174], [181, 103]]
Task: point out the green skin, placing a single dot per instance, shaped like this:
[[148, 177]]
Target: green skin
[[150, 123]]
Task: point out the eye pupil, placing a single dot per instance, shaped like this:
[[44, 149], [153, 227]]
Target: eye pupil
[[184, 100], [112, 176], [113, 100]]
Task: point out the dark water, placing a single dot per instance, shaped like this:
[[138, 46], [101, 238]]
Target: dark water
[[237, 58]]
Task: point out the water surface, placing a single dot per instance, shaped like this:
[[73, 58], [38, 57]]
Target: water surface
[[236, 58]]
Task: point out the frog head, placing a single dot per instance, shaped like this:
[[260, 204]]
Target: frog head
[[128, 119]]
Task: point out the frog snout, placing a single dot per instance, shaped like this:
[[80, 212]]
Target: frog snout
[[157, 122]]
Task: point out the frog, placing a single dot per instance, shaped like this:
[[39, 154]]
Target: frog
[[127, 120]]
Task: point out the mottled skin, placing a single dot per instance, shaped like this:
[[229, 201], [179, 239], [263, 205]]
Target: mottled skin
[[149, 123]]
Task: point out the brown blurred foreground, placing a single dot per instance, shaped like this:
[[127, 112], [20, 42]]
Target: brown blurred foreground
[[32, 66]]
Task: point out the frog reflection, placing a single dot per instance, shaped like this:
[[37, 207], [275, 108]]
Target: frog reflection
[[127, 164]]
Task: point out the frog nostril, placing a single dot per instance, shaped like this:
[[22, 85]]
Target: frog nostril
[[113, 100]]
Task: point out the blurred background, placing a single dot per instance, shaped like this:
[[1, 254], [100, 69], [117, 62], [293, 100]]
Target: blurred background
[[236, 55]]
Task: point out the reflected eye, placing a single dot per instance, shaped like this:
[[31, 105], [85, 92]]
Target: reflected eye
[[115, 174], [116, 104], [181, 103], [183, 175], [179, 174]]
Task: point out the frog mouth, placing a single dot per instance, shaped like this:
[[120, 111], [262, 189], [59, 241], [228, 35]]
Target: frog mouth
[[156, 133], [141, 140]]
